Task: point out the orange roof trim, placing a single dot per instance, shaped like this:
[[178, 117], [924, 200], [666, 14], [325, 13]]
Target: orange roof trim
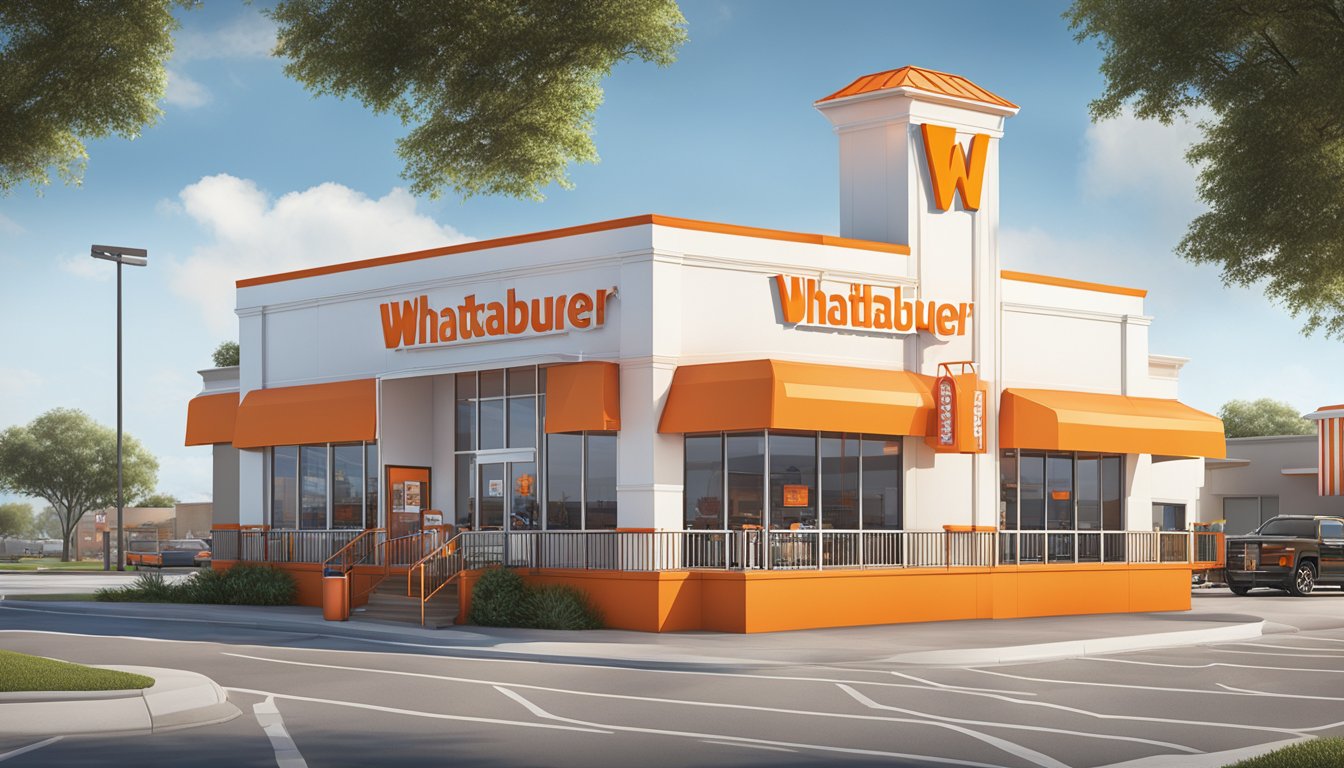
[[583, 396], [1049, 419], [920, 79], [340, 412], [601, 226], [210, 418], [776, 394], [1064, 282]]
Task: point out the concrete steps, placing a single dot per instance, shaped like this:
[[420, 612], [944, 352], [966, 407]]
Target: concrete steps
[[388, 602]]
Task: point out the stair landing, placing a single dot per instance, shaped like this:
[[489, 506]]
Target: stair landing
[[388, 602]]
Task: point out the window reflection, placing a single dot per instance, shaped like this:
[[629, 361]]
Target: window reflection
[[793, 481], [703, 497]]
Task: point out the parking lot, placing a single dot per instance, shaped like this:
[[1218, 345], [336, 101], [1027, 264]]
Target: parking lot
[[320, 700]]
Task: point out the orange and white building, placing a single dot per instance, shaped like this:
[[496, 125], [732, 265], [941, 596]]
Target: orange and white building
[[708, 425]]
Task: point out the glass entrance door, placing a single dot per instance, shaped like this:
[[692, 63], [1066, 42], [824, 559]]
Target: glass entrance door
[[508, 489]]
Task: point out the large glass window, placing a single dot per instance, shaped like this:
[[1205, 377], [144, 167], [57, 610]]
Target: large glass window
[[882, 483], [1169, 517], [465, 423], [564, 481], [347, 486], [704, 482], [1061, 491], [285, 486], [793, 481], [370, 485], [839, 481], [745, 460], [464, 477], [599, 490], [313, 486]]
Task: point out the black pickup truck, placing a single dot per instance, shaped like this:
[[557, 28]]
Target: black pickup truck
[[1290, 552]]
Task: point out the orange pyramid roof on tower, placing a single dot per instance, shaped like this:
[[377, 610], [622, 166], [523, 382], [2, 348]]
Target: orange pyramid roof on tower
[[921, 80]]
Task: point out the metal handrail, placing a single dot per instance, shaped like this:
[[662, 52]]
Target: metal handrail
[[450, 552], [342, 555]]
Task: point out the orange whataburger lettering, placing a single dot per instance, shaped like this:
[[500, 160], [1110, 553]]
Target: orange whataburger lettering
[[949, 168], [414, 322], [868, 308]]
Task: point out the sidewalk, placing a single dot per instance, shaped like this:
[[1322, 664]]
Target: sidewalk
[[959, 643], [178, 699]]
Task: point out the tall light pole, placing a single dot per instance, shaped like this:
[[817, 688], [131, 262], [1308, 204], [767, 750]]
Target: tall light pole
[[135, 257]]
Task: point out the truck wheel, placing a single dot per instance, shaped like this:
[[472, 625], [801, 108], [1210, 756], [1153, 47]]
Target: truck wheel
[[1239, 590], [1304, 579]]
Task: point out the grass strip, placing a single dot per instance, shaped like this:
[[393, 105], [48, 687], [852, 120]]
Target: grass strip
[[21, 672], [1317, 753]]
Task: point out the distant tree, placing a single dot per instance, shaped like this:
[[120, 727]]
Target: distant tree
[[159, 499], [1272, 159], [502, 93], [226, 354], [16, 520], [47, 524], [73, 71], [68, 459], [1258, 418]]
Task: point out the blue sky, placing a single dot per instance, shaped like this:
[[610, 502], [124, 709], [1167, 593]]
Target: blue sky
[[247, 174]]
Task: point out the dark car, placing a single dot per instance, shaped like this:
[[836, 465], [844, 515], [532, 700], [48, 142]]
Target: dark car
[[1294, 553]]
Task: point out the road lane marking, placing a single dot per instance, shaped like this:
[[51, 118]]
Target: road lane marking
[[928, 719], [867, 702], [286, 751], [1142, 719], [30, 748], [749, 746], [1272, 653], [1095, 684], [1303, 696], [1284, 647], [1016, 750], [1214, 664], [414, 713], [542, 713]]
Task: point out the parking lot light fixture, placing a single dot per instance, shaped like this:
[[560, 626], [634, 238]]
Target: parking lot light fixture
[[135, 257]]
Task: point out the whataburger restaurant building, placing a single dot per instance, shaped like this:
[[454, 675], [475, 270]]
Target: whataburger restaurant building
[[712, 426]]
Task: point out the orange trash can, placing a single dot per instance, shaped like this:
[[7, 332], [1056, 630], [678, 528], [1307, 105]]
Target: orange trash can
[[335, 597]]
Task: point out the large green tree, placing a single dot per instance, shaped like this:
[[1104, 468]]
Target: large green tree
[[68, 459], [74, 70], [1258, 418], [1270, 75], [501, 93], [16, 520]]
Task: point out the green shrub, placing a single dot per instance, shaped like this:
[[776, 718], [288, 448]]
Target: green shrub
[[240, 585], [500, 599], [556, 606], [1317, 753]]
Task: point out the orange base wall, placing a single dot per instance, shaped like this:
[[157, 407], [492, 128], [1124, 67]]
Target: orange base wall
[[772, 601]]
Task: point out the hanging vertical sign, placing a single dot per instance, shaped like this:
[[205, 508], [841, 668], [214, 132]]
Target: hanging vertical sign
[[978, 419], [946, 394], [959, 409]]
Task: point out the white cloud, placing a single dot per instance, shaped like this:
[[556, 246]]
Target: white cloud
[[184, 92], [1126, 155], [87, 268], [252, 235], [249, 36]]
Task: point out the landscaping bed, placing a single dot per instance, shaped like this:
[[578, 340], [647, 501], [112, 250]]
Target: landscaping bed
[[1317, 753]]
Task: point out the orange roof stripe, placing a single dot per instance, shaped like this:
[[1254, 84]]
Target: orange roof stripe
[[1064, 282], [583, 229], [920, 79]]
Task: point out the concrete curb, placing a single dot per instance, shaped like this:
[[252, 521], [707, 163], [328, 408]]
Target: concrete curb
[[178, 699], [1075, 648]]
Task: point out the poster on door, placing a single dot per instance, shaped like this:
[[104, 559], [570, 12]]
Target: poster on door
[[413, 497], [495, 488]]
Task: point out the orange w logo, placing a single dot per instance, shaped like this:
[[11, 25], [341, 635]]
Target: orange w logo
[[949, 170]]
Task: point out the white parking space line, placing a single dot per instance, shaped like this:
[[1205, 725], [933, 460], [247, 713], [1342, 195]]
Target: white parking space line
[[539, 712], [1303, 696], [1275, 653], [749, 746], [412, 712], [867, 702], [1214, 664], [1091, 683], [30, 748], [286, 751], [1286, 647]]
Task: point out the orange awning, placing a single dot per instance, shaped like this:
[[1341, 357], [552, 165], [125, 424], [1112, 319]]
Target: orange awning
[[1048, 419], [340, 412], [775, 394], [583, 396], [210, 418]]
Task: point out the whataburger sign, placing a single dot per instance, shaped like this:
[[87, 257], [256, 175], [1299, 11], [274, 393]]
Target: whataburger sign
[[867, 307], [416, 322]]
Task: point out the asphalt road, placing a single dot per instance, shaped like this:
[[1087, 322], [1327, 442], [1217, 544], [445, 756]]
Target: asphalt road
[[325, 701], [31, 583]]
